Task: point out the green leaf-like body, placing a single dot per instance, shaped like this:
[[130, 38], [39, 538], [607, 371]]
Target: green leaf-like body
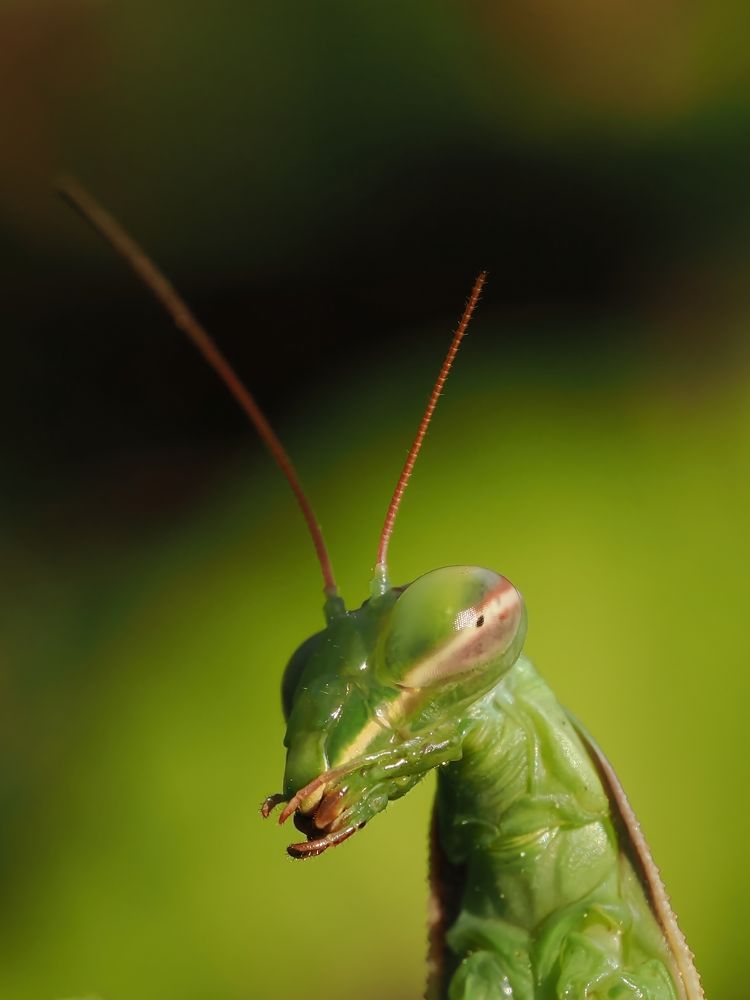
[[543, 886], [546, 901]]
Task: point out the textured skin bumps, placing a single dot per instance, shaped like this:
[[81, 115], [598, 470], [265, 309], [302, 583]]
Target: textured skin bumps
[[550, 906]]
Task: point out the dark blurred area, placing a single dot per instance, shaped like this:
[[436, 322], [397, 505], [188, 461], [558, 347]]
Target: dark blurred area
[[323, 182], [328, 178]]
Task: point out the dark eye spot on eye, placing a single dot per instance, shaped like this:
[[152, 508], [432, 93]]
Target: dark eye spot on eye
[[480, 621]]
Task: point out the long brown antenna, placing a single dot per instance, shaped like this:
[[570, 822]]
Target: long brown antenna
[[411, 458], [108, 227]]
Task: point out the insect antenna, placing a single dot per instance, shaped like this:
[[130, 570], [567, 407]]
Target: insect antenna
[[380, 582], [164, 292]]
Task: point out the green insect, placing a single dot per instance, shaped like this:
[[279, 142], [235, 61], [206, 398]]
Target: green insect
[[542, 884]]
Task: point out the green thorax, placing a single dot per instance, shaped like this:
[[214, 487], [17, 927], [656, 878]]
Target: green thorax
[[542, 888]]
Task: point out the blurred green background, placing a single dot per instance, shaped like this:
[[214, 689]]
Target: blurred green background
[[323, 181]]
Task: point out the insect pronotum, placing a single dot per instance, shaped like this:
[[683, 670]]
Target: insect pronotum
[[542, 883]]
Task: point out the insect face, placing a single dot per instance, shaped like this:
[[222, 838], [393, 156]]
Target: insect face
[[371, 701]]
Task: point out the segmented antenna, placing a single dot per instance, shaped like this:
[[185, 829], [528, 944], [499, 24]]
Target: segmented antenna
[[381, 574], [113, 233]]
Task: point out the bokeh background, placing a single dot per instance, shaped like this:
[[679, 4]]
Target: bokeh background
[[323, 181]]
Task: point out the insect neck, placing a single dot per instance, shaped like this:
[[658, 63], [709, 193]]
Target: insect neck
[[525, 857], [522, 778]]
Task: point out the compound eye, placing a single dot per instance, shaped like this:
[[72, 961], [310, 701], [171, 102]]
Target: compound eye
[[449, 621]]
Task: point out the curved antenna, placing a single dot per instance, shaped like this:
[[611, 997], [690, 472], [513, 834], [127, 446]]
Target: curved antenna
[[381, 573], [164, 292]]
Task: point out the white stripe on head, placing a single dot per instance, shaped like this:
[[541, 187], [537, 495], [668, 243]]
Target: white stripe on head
[[482, 631]]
